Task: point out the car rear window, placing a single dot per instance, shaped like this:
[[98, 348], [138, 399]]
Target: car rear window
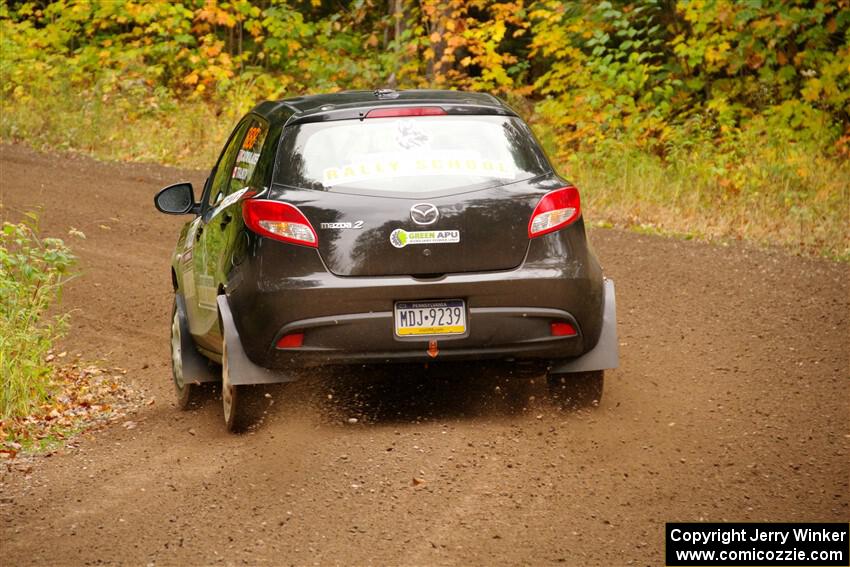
[[409, 154]]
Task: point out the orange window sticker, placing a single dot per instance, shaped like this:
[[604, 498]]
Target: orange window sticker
[[251, 137]]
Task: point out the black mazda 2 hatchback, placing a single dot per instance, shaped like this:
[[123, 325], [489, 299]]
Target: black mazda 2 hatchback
[[378, 227]]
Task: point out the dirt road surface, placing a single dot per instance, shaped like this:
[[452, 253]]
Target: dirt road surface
[[731, 403]]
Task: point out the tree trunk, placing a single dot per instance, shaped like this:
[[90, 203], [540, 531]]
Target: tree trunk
[[398, 15]]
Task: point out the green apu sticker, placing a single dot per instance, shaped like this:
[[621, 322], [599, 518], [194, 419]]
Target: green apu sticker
[[401, 238]]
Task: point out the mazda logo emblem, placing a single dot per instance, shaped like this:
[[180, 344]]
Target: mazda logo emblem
[[424, 213]]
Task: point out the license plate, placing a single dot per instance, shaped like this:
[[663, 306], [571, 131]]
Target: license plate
[[415, 318]]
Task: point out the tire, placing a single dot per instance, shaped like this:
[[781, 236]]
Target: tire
[[187, 393], [577, 390], [242, 404]]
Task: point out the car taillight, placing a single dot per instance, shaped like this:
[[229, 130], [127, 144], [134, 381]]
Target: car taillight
[[280, 221], [405, 111], [295, 340], [555, 210], [562, 330]]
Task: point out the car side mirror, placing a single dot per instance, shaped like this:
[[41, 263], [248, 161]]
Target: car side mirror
[[177, 199]]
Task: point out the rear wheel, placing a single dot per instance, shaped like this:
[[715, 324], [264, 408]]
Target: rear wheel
[[577, 390], [242, 404], [229, 394], [187, 392]]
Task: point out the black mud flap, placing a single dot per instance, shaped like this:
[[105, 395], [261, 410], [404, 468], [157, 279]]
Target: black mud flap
[[606, 353], [242, 370], [197, 368]]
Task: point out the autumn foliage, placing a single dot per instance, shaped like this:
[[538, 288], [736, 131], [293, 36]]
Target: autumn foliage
[[753, 95]]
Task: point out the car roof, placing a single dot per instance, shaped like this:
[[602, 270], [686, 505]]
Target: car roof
[[355, 104]]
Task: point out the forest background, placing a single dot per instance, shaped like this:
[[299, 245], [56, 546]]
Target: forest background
[[696, 118]]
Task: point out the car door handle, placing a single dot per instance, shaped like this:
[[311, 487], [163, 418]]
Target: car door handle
[[225, 219]]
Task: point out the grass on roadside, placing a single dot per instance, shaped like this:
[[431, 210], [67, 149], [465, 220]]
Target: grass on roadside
[[797, 200], [44, 400], [32, 272], [137, 126], [749, 188]]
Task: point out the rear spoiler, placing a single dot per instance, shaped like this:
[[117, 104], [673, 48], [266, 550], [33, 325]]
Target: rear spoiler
[[360, 111]]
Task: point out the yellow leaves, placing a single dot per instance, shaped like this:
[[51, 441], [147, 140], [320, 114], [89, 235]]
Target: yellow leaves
[[842, 145], [718, 104], [456, 27], [496, 31], [766, 23], [515, 47], [755, 60], [716, 53], [456, 41], [213, 14], [201, 28], [832, 25], [212, 50], [812, 90]]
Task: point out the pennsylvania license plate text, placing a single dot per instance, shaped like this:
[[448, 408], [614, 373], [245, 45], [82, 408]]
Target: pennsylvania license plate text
[[430, 318]]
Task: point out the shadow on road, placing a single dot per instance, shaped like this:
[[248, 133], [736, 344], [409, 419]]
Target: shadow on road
[[401, 393], [395, 394]]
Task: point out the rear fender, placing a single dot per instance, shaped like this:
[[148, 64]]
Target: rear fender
[[241, 369], [606, 353]]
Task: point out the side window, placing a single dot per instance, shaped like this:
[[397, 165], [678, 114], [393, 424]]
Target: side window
[[239, 160], [220, 185], [249, 155]]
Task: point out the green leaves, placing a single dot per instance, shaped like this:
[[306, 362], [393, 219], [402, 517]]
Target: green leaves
[[639, 69], [659, 77], [32, 273]]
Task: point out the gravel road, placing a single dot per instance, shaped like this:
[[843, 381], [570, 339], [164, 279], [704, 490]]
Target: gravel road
[[731, 403]]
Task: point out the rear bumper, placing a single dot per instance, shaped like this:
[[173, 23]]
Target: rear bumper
[[287, 289], [602, 356], [492, 332]]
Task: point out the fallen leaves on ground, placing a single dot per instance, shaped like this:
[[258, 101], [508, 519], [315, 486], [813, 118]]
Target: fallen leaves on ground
[[85, 397]]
